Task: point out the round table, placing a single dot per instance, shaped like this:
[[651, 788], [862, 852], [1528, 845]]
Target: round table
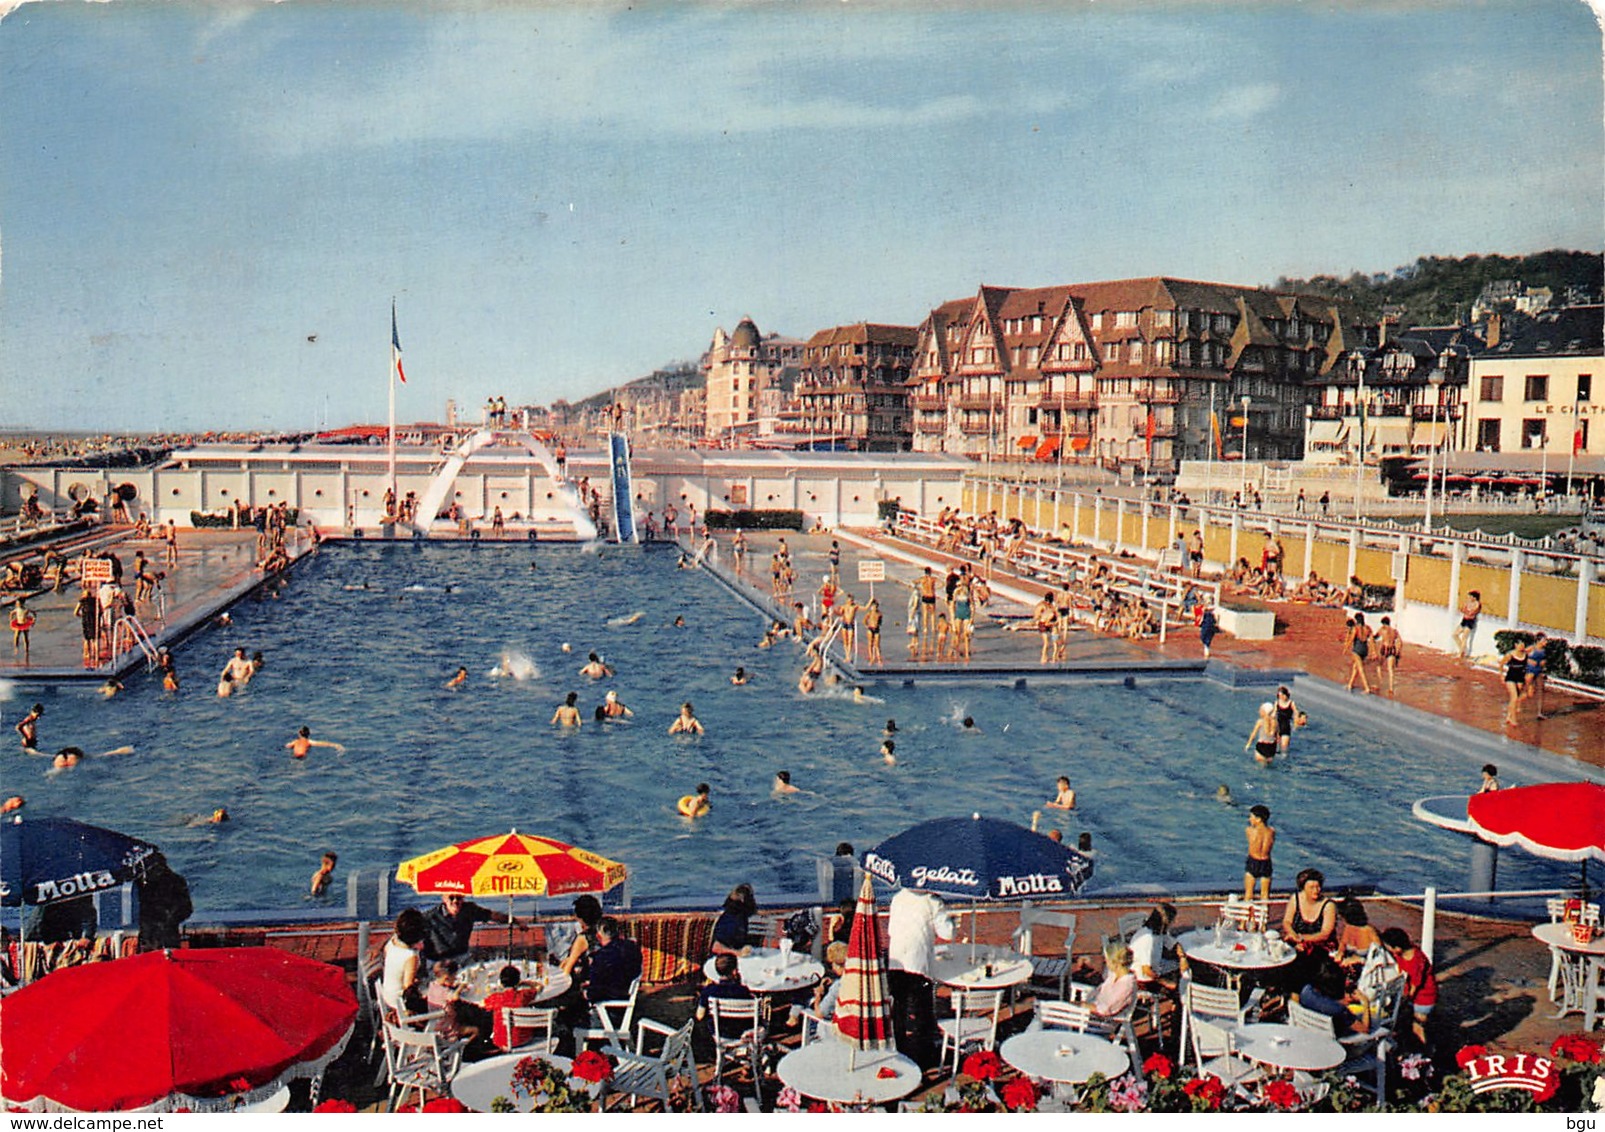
[[1233, 954], [1287, 1047], [478, 980], [1064, 1056], [820, 1070], [761, 972], [958, 966], [480, 1082], [1560, 935]]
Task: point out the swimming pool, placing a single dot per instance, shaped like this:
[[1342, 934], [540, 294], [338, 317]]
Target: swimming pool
[[363, 637]]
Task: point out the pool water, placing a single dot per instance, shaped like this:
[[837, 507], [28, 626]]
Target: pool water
[[363, 637]]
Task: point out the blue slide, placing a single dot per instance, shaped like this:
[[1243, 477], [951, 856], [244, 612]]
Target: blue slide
[[623, 488]]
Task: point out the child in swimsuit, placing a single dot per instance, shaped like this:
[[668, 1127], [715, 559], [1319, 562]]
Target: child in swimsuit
[[1263, 737]]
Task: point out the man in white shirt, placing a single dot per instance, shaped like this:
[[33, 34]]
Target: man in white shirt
[[917, 920]]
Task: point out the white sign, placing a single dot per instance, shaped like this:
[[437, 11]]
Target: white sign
[[871, 570], [94, 571]]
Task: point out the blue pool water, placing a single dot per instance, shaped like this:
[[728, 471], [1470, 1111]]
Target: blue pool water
[[426, 766]]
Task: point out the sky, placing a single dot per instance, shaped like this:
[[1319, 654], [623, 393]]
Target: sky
[[207, 209]]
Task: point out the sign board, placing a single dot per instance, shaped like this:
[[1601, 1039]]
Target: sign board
[[871, 570], [1401, 566], [94, 571]]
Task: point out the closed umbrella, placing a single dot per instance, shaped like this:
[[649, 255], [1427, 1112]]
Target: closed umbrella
[[204, 1029], [863, 1005]]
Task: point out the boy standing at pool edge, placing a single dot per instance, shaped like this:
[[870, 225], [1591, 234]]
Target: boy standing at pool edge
[[1261, 838]]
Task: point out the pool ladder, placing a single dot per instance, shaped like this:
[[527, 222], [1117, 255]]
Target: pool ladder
[[137, 634]]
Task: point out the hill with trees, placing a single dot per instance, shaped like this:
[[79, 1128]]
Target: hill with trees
[[1438, 290]]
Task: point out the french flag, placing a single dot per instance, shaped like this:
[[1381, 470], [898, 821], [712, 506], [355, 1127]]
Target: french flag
[[395, 345]]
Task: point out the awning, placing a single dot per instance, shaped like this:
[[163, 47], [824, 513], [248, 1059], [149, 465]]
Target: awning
[[1027, 442], [1391, 435], [1080, 443], [1428, 434], [1049, 446], [1325, 431]]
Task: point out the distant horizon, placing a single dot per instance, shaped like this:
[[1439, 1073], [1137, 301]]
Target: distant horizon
[[208, 207]]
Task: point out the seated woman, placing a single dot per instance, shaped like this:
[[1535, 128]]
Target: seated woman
[[1357, 936], [1119, 986], [730, 930], [1309, 924], [1326, 994]]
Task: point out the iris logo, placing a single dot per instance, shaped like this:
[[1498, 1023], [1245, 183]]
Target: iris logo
[[1491, 1071]]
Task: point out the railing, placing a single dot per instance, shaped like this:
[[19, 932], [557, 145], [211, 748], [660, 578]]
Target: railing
[[1149, 395], [972, 427], [983, 401], [929, 402], [923, 425], [1067, 401]]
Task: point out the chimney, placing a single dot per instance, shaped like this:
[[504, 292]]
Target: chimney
[[1495, 325]]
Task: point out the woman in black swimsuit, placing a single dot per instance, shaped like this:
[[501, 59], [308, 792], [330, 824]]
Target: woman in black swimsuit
[[1286, 713], [1515, 662], [1309, 924], [1359, 642]]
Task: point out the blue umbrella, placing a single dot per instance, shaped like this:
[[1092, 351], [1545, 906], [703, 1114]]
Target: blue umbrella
[[43, 860], [978, 858]]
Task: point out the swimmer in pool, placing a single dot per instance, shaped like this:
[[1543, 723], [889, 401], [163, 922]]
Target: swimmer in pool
[[629, 619], [69, 757], [891, 727], [686, 723], [304, 742], [740, 677], [320, 879], [889, 752], [699, 803], [1263, 737], [13, 803], [459, 679], [567, 714], [111, 687], [859, 696], [28, 728], [612, 708], [783, 783], [969, 724], [1223, 794], [225, 685], [679, 622], [1065, 799], [805, 683], [595, 669]]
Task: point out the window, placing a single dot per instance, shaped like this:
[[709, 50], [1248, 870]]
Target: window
[[1125, 319], [1493, 389], [1136, 351], [1488, 435], [1537, 387], [1585, 387], [1162, 320], [1532, 432], [1580, 438], [1097, 320]]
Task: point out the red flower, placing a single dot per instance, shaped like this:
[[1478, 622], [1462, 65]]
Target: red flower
[[240, 1085], [983, 1065], [1468, 1054], [335, 1105], [1206, 1090], [1020, 1095], [593, 1066], [1158, 1065], [818, 1106], [1578, 1048], [1282, 1095], [445, 1104]]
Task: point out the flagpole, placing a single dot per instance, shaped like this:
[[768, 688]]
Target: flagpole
[[391, 383], [1571, 449]]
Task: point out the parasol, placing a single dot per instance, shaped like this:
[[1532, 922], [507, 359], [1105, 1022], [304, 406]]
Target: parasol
[[863, 1008], [204, 1030], [1564, 821]]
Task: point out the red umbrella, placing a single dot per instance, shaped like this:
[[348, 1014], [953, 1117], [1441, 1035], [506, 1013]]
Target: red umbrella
[[1564, 821], [204, 1029], [863, 1006]]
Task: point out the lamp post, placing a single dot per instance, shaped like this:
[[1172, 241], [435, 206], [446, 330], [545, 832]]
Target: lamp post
[[1244, 464], [1357, 367], [1435, 379]]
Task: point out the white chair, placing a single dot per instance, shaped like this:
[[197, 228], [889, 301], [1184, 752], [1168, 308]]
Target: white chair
[[974, 1022], [1214, 1054], [1246, 916], [639, 1074], [419, 1059], [1557, 913], [540, 1020], [1593, 990], [1127, 924], [736, 1025], [1052, 1015], [610, 1020], [1302, 1017], [1114, 1026], [766, 930], [1219, 1005], [1051, 968], [813, 1025]]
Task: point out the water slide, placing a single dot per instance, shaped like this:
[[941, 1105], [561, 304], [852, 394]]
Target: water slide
[[623, 488]]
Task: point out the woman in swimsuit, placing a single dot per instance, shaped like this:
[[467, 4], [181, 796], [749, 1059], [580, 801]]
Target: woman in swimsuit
[[1515, 662], [1309, 923], [1358, 641], [1468, 623], [1535, 668], [1286, 714], [1388, 649], [1263, 737]]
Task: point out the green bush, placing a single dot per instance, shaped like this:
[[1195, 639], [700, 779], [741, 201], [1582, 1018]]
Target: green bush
[[1590, 662], [886, 510], [224, 520], [755, 520], [1506, 639]]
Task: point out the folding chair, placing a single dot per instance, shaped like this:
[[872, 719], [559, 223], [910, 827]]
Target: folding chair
[[639, 1074], [419, 1059], [610, 1020], [1214, 1054], [1053, 968], [738, 1030], [541, 1020]]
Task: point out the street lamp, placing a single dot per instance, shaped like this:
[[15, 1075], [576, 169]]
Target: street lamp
[[1244, 464], [1357, 367], [1435, 379]]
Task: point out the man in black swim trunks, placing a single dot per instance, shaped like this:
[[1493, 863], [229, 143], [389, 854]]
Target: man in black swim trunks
[[1261, 839]]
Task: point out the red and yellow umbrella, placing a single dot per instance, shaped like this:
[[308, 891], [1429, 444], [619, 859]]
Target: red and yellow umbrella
[[511, 864]]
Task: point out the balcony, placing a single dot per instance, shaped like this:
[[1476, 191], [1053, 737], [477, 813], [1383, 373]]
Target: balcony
[[981, 402], [1149, 395], [976, 426], [1424, 412], [929, 402], [925, 425], [1330, 412], [1067, 401]]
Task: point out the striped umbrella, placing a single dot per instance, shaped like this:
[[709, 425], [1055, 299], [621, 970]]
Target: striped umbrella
[[863, 1006], [511, 864]]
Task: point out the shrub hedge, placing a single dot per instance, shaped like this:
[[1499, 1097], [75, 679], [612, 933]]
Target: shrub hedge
[[755, 520]]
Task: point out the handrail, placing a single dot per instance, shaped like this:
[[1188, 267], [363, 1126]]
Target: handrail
[[137, 634]]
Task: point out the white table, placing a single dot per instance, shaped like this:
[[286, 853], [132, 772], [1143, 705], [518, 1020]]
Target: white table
[[479, 1083], [1235, 953], [958, 966], [1064, 1056], [820, 1070], [1560, 935], [761, 972], [480, 979], [1576, 967], [274, 1102], [1287, 1047]]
